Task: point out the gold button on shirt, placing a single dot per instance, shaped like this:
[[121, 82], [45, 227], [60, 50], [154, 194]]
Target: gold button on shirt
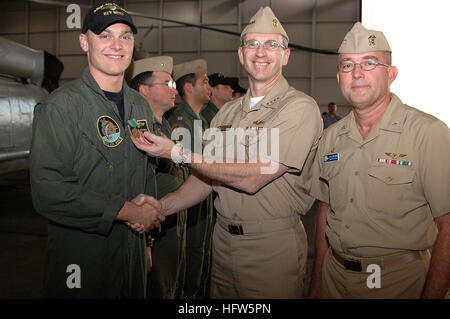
[[384, 191]]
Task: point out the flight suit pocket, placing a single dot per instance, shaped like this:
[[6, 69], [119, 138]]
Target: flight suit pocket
[[389, 188]]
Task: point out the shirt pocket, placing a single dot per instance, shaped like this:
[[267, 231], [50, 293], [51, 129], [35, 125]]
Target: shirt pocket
[[390, 189]]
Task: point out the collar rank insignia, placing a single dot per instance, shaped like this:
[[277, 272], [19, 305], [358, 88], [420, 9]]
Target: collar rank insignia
[[137, 126], [109, 131]]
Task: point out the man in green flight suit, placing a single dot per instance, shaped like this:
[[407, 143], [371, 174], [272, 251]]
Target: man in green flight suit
[[193, 87], [87, 177], [151, 77]]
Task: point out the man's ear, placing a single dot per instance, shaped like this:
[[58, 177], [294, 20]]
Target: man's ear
[[84, 42], [241, 56], [393, 71]]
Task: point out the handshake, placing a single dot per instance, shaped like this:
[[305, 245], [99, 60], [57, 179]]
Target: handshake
[[143, 213]]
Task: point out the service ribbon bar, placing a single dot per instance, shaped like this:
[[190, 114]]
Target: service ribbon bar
[[132, 123], [396, 162]]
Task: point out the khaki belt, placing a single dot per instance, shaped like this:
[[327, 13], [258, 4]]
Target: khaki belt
[[242, 227], [360, 264]]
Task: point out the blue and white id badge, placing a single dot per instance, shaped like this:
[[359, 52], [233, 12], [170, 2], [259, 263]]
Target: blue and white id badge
[[333, 157]]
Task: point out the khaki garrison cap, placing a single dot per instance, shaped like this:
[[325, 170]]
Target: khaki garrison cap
[[264, 21], [194, 66], [361, 40], [153, 64]]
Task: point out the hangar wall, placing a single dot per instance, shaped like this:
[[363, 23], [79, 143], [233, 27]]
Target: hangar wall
[[312, 23]]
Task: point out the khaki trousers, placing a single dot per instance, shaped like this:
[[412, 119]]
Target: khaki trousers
[[404, 280], [269, 264]]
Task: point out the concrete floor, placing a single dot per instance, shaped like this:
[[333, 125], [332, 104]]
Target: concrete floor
[[23, 236]]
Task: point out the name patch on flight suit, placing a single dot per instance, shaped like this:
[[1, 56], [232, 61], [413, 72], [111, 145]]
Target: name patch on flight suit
[[136, 126], [109, 131]]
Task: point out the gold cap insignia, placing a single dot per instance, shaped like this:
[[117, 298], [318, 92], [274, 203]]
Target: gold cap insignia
[[372, 39], [275, 23]]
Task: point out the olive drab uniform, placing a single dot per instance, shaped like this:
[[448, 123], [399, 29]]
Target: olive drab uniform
[[384, 192], [259, 243], [200, 219], [209, 111], [167, 277], [84, 167]]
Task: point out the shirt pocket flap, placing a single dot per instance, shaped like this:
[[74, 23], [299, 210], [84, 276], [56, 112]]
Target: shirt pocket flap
[[392, 176]]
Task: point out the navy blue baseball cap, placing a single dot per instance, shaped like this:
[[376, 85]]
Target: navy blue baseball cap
[[101, 17]]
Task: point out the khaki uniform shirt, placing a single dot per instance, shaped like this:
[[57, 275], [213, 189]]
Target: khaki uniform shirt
[[385, 190], [297, 117]]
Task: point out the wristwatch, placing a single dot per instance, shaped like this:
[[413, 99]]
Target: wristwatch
[[183, 155]]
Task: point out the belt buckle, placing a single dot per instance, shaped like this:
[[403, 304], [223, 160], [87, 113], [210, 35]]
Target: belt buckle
[[235, 229], [353, 265]]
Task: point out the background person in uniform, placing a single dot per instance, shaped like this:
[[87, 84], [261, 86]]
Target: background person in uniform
[[86, 174], [382, 176], [152, 79], [193, 87], [259, 243], [331, 116], [221, 93], [238, 91]]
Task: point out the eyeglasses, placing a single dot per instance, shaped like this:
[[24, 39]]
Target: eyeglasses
[[367, 65], [270, 45], [171, 84]]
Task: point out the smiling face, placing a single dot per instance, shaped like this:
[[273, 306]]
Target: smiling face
[[109, 53], [263, 65], [364, 89]]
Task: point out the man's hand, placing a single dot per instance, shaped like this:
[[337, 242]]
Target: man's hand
[[142, 213], [153, 145]]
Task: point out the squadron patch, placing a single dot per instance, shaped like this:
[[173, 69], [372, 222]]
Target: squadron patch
[[109, 131]]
